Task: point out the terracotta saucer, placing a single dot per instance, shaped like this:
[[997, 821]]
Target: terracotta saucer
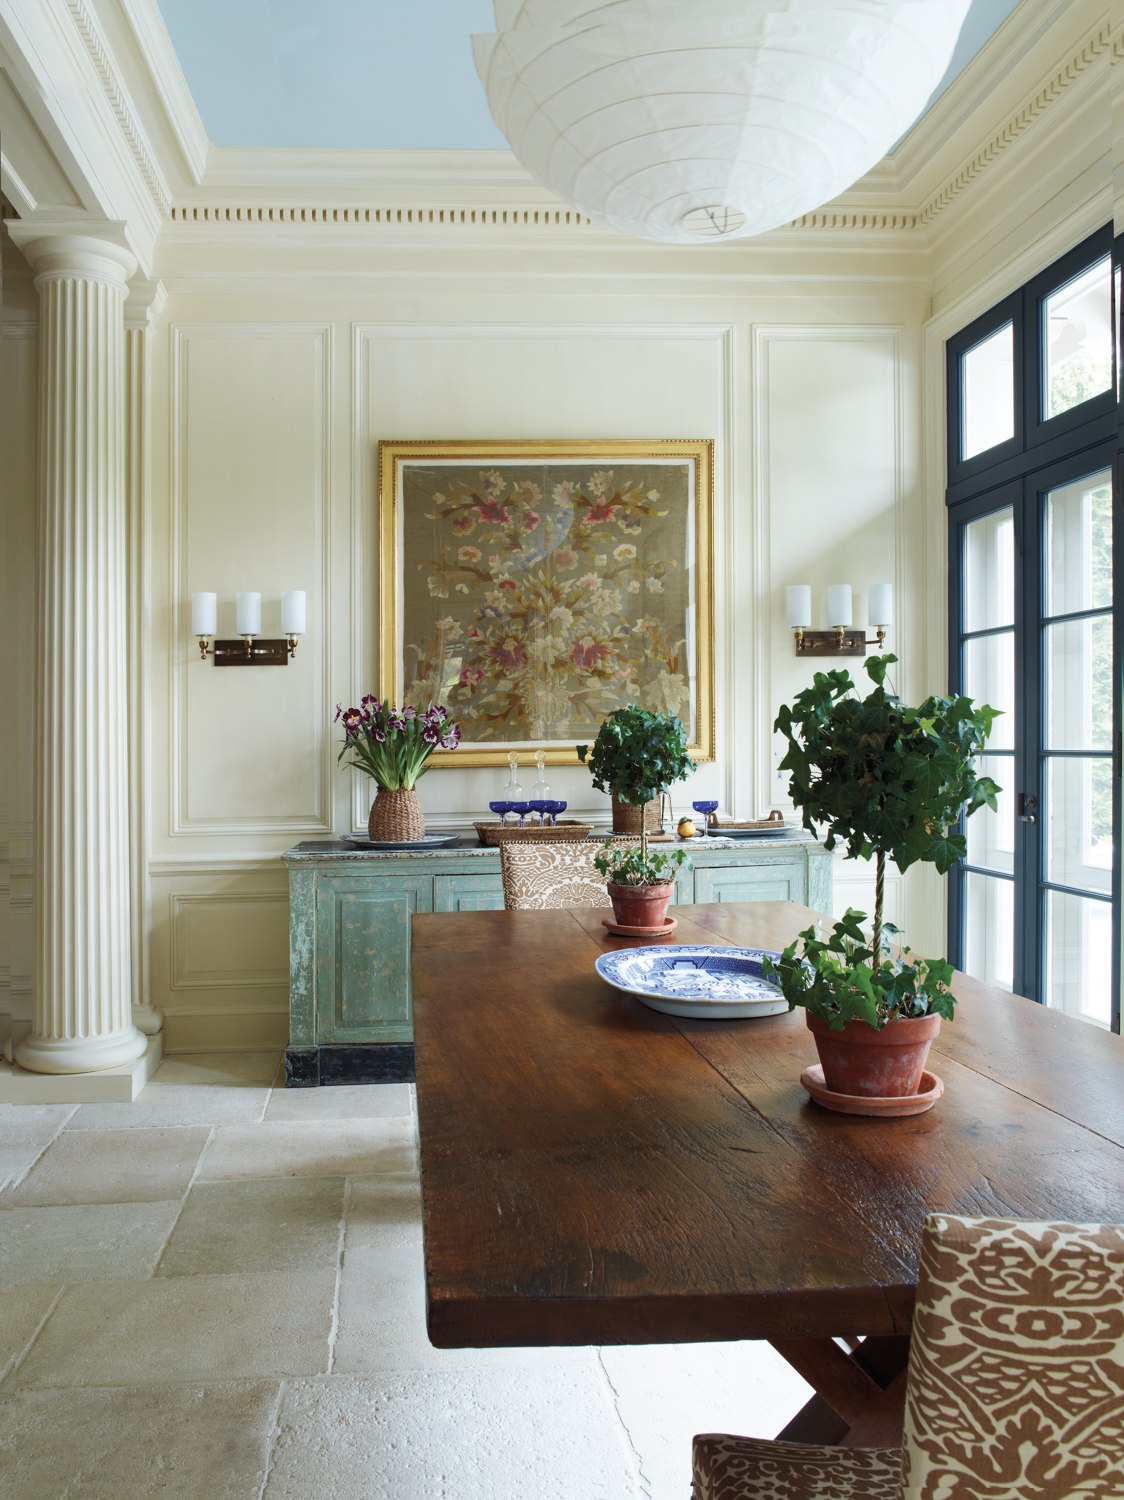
[[931, 1090], [669, 925]]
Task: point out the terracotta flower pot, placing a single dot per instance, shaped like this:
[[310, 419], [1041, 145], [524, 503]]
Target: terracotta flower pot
[[884, 1064], [396, 816], [640, 905]]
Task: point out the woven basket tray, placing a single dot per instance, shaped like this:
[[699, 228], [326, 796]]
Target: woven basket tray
[[773, 821], [569, 830]]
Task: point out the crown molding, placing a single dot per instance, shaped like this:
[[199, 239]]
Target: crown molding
[[168, 83], [119, 103]]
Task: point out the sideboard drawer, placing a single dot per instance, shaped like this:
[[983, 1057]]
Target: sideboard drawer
[[467, 893], [766, 882], [363, 956]]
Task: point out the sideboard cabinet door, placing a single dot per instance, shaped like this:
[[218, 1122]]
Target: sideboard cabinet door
[[363, 956], [467, 893], [779, 882]]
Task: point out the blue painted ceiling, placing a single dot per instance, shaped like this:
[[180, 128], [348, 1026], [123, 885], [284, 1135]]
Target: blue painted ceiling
[[391, 73]]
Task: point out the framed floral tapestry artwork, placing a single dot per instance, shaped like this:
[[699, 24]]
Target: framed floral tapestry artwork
[[533, 587]]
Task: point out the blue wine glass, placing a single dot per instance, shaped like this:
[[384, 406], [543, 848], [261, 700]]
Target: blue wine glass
[[540, 805], [501, 809], [555, 809], [522, 808], [706, 808]]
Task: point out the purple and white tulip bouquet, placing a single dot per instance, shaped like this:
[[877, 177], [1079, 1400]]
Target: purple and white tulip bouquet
[[392, 745]]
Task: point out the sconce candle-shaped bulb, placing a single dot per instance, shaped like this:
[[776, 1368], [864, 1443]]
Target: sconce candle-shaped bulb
[[292, 611], [248, 614], [204, 614], [839, 604], [880, 609], [800, 606]]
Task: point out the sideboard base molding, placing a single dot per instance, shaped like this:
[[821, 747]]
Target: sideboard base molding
[[358, 1062]]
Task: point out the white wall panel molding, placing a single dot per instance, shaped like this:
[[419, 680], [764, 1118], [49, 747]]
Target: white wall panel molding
[[249, 931], [217, 863], [232, 709], [515, 416], [775, 495]]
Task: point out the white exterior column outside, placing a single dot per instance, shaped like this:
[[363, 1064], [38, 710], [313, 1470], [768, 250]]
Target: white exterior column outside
[[82, 943]]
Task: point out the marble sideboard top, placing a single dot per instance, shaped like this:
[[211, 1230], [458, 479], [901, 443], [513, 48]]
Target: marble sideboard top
[[468, 846]]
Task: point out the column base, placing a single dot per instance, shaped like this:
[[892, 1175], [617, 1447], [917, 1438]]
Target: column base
[[109, 1086], [80, 1054], [148, 1018]]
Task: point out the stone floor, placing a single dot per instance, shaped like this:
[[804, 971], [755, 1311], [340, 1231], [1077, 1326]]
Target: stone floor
[[216, 1293]]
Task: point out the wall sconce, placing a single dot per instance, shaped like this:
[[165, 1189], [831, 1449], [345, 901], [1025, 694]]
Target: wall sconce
[[839, 640], [250, 650]]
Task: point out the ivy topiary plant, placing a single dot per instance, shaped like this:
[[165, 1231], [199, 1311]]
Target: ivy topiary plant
[[888, 780], [639, 755]]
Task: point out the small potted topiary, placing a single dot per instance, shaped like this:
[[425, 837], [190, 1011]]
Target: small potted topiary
[[894, 782], [636, 756]]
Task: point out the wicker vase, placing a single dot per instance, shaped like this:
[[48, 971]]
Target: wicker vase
[[396, 816], [626, 817]]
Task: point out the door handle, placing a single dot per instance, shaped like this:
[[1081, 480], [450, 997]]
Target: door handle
[[1027, 807]]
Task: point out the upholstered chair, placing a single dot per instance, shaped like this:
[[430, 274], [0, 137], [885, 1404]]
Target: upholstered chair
[[543, 877], [1015, 1388]]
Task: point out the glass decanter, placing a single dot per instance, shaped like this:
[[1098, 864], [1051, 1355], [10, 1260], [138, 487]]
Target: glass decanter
[[511, 792], [539, 796]]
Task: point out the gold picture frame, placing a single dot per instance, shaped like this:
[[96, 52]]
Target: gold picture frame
[[513, 640]]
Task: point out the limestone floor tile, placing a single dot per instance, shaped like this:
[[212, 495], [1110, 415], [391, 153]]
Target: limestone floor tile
[[381, 1323], [164, 1104], [375, 1101], [183, 1328], [665, 1393], [84, 1241], [111, 1166], [21, 1312], [482, 1435], [26, 1130], [326, 1148], [267, 1224], [188, 1442], [384, 1210], [229, 1069]]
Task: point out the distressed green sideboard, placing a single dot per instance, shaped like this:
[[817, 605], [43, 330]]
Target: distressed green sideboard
[[349, 935]]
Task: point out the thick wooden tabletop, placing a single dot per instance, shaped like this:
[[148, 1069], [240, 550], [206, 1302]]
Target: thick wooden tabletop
[[595, 1172]]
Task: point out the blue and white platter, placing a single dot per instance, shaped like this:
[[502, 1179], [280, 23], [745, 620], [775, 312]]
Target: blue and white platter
[[708, 984]]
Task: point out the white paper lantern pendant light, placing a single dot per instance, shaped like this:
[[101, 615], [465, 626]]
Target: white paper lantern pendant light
[[689, 120]]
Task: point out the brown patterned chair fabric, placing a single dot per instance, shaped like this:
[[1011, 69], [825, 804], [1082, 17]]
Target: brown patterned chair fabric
[[735, 1468], [1015, 1388], [1016, 1373], [544, 877]]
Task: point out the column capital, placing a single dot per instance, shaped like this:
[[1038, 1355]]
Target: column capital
[[74, 247]]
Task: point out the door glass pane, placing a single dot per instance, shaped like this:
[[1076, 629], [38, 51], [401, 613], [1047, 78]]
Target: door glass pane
[[1077, 333], [991, 835], [989, 572], [989, 677], [1079, 684], [1079, 546], [989, 929], [987, 387], [1079, 823], [1079, 956]]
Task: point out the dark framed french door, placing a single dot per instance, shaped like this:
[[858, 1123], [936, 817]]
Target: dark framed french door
[[1033, 902], [1035, 630]]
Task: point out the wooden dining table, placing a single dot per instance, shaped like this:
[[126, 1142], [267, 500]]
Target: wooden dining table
[[595, 1172]]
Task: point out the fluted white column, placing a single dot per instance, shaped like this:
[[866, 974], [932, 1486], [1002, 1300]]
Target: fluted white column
[[82, 982]]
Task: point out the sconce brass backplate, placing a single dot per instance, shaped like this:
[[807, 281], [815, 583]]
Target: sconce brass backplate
[[827, 643], [262, 653]]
